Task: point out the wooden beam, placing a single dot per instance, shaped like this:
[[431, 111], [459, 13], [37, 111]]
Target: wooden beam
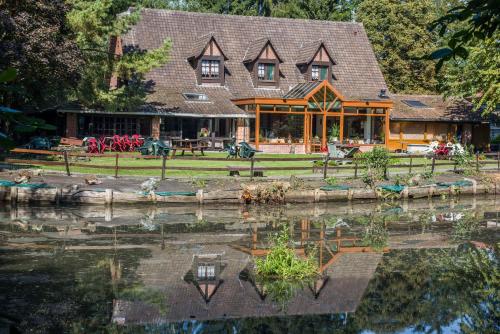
[[341, 135], [257, 126], [266, 100], [323, 139], [387, 128]]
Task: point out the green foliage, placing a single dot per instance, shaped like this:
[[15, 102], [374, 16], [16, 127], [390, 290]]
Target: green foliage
[[94, 24], [334, 132], [399, 35], [466, 161], [35, 41], [338, 10], [331, 181], [376, 161], [466, 22], [283, 264], [13, 121], [478, 76]]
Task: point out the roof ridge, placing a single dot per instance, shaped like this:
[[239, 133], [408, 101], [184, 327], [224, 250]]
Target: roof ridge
[[251, 16]]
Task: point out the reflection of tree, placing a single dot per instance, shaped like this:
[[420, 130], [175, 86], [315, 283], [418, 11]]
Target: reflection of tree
[[476, 273], [429, 289]]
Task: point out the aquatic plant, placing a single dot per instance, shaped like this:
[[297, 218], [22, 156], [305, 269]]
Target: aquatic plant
[[282, 263]]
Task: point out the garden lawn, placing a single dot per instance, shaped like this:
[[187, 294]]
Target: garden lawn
[[135, 161]]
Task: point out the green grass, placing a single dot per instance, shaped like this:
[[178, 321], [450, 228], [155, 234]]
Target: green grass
[[135, 162]]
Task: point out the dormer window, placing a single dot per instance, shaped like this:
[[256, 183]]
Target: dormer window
[[263, 62], [208, 61], [266, 72], [210, 69], [315, 61]]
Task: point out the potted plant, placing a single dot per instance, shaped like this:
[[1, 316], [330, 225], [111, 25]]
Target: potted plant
[[334, 133], [204, 132]]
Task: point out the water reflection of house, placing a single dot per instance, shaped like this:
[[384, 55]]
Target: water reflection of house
[[222, 294]]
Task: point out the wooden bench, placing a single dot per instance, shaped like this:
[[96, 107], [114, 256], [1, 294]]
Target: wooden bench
[[235, 170]]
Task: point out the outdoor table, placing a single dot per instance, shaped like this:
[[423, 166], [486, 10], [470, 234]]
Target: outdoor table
[[188, 145]]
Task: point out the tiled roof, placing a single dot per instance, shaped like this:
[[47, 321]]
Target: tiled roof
[[357, 73], [255, 48], [308, 51], [439, 109]]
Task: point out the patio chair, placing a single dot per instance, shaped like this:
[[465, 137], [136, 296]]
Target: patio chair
[[38, 143], [126, 143], [232, 149], [334, 152], [147, 147], [92, 145], [136, 142], [102, 144], [116, 145], [246, 151], [160, 149]]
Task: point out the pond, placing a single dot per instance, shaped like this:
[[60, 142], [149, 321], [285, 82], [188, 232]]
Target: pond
[[418, 266]]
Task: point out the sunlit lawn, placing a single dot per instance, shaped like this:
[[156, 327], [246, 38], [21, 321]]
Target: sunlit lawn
[[135, 161]]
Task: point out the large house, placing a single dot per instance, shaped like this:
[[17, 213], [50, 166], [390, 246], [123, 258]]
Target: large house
[[284, 85]]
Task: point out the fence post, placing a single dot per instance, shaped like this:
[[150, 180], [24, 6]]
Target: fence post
[[66, 162], [411, 164], [325, 166], [477, 161], [498, 160], [163, 167], [116, 165], [355, 169], [433, 163], [252, 162]]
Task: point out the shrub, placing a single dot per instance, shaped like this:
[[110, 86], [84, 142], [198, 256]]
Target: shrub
[[331, 181], [465, 161], [377, 160]]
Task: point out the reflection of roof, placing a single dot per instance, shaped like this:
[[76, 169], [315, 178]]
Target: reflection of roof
[[437, 108], [235, 298]]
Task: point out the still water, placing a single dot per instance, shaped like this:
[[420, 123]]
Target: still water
[[413, 267]]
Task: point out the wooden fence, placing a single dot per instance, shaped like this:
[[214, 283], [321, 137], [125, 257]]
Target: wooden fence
[[310, 163]]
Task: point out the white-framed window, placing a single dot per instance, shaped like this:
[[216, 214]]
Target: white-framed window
[[265, 71], [210, 69], [319, 72]]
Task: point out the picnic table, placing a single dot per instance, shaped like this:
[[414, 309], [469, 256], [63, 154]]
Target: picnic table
[[189, 145]]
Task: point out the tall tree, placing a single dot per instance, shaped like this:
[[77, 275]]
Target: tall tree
[[95, 23], [36, 41], [306, 9], [478, 76], [399, 35]]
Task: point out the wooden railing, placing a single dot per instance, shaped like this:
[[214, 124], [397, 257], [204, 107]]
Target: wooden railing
[[310, 163]]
